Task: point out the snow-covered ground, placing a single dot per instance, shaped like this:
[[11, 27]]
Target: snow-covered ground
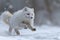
[[44, 32]]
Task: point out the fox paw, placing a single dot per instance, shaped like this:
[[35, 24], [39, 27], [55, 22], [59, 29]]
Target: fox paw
[[33, 29]]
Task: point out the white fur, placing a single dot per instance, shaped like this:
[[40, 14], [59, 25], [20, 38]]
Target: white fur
[[21, 15], [15, 21], [5, 16]]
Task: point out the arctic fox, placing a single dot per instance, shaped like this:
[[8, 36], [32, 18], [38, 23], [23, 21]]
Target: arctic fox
[[23, 18]]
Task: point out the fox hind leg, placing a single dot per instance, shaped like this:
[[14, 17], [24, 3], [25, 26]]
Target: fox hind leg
[[10, 29], [17, 32]]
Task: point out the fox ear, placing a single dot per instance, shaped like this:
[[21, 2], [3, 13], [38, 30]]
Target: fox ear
[[32, 9], [25, 9]]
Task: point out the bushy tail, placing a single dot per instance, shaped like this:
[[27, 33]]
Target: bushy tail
[[5, 16]]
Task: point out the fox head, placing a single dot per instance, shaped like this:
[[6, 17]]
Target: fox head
[[28, 12]]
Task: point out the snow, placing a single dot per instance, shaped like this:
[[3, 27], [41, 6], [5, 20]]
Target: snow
[[43, 32]]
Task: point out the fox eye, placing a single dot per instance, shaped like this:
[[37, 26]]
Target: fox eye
[[28, 14]]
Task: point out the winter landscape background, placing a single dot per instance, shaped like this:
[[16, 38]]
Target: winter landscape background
[[47, 19]]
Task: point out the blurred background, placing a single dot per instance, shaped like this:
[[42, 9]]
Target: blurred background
[[46, 11]]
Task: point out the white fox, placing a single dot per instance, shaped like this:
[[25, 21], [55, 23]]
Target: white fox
[[20, 19]]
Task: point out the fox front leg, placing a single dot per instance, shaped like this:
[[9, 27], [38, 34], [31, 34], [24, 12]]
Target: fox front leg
[[25, 26], [29, 26]]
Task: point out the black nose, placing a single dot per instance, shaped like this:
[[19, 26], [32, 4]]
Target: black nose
[[31, 17]]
